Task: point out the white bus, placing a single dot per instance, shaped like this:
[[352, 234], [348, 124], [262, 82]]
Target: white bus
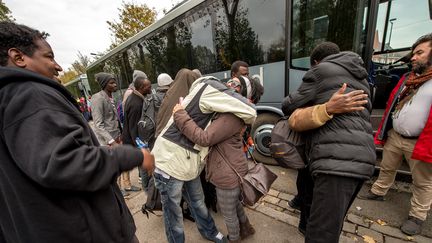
[[79, 87], [275, 37]]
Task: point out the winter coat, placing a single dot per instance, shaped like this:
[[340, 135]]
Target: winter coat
[[223, 135], [180, 88], [56, 183], [422, 149], [174, 153], [105, 118], [132, 110], [344, 145]]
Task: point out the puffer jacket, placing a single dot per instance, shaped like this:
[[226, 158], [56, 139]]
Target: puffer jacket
[[178, 156], [344, 145], [224, 137]]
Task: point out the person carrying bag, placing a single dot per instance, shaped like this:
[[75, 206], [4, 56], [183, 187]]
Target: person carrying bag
[[255, 184]]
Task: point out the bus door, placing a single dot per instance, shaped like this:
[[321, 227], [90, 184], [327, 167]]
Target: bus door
[[399, 24]]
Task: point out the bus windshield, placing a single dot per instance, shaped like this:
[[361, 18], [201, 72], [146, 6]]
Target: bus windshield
[[400, 23], [403, 27]]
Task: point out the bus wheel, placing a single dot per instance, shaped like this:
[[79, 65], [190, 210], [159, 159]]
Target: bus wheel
[[261, 131]]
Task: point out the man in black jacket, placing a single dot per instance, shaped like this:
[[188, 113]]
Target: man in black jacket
[[56, 183], [340, 153], [132, 110]]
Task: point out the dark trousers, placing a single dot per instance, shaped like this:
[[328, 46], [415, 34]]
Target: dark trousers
[[304, 194], [332, 197]]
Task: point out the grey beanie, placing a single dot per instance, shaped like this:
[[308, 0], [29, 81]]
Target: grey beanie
[[103, 78], [164, 79], [138, 74]]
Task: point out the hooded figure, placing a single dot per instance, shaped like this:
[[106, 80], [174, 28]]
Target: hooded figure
[[340, 154], [103, 78], [136, 75], [164, 83], [180, 88], [164, 80], [350, 133]]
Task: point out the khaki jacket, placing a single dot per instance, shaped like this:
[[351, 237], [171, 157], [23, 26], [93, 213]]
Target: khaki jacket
[[309, 118]]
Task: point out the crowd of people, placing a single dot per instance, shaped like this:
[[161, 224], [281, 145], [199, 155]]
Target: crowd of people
[[63, 181]]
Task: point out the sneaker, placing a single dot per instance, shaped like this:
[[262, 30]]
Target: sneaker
[[371, 196], [133, 189], [124, 193], [412, 226], [220, 238]]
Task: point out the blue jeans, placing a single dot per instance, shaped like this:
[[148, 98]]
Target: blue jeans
[[171, 193]]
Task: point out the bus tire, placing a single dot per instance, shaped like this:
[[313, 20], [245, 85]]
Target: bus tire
[[261, 131]]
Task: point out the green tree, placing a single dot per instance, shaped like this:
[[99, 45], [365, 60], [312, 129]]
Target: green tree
[[133, 19], [5, 13], [80, 65], [67, 76]]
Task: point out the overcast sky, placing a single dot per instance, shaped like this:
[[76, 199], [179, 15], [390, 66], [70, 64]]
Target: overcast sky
[[75, 25]]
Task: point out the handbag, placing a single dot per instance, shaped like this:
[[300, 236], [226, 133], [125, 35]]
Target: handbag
[[255, 184], [287, 146]]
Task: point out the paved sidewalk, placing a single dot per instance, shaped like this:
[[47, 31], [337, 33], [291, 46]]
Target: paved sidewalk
[[151, 230], [275, 221], [366, 221], [356, 228]]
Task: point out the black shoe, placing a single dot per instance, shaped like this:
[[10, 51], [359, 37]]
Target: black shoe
[[371, 196], [302, 231], [294, 204], [412, 226]]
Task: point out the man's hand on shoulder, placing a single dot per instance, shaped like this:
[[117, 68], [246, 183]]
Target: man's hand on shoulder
[[344, 103]]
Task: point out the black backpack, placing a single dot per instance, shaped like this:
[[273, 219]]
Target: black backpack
[[153, 202], [147, 122], [287, 145]]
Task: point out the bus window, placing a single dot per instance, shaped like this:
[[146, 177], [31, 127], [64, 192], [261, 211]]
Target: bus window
[[252, 31], [156, 45], [403, 29], [204, 55], [342, 22], [396, 32], [267, 19]]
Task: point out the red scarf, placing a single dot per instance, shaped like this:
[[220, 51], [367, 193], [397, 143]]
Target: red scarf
[[411, 86]]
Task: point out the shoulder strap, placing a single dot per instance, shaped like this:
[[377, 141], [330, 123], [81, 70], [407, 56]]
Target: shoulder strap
[[228, 163]]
